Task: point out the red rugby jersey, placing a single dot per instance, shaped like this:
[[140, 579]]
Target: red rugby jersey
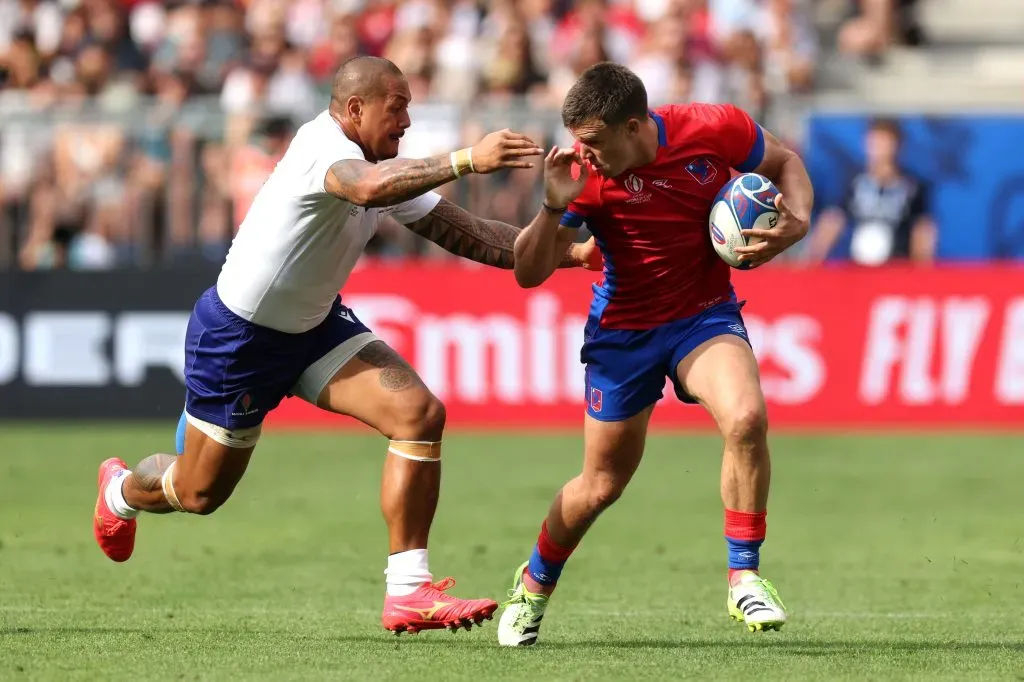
[[651, 222]]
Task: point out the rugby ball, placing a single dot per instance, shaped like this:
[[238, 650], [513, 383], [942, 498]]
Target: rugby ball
[[745, 202]]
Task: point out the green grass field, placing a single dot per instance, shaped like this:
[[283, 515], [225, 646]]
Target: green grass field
[[899, 557]]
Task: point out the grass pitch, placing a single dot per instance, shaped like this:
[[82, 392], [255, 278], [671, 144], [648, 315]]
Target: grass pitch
[[899, 558]]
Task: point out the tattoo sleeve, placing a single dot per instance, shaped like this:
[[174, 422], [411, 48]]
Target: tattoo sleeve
[[460, 232], [490, 242], [388, 182], [569, 259]]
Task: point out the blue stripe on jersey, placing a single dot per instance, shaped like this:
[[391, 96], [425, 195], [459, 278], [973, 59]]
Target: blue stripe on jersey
[[756, 155], [571, 219], [609, 267], [662, 135]]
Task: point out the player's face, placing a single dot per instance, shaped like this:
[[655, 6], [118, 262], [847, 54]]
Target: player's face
[[384, 120], [611, 149], [882, 146]]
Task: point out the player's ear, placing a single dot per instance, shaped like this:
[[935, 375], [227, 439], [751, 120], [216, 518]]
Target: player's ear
[[633, 126], [354, 108]]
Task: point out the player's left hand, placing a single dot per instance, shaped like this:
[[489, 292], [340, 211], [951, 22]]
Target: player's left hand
[[790, 229]]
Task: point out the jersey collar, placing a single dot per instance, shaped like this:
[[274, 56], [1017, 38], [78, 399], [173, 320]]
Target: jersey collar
[[660, 122]]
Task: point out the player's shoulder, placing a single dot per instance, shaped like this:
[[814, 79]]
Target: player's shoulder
[[696, 117], [323, 136]]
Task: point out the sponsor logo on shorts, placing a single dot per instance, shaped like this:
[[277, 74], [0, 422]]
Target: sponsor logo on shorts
[[596, 399], [245, 403]]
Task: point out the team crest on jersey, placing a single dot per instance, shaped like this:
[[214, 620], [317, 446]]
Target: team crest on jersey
[[634, 184], [702, 170]]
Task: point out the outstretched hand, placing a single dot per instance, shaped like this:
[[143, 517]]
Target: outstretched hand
[[504, 149]]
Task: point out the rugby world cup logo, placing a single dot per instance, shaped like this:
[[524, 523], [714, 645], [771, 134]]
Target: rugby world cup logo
[[634, 184]]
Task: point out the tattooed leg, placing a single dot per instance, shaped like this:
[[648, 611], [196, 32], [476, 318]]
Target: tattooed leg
[[202, 479], [142, 488], [380, 389]]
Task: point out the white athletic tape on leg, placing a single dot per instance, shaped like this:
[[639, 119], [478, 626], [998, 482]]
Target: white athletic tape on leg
[[416, 450], [234, 438], [167, 483]]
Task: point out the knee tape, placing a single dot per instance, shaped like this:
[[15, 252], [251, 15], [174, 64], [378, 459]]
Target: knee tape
[[167, 483], [416, 450]]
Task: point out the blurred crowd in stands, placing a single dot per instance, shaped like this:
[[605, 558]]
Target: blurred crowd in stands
[[135, 132]]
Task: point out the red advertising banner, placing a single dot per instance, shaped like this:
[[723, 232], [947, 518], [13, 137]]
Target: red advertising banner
[[838, 347]]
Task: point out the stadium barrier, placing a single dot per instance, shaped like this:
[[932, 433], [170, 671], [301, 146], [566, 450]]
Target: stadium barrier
[[839, 347]]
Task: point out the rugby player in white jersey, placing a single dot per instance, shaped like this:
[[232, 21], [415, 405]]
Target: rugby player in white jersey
[[274, 325]]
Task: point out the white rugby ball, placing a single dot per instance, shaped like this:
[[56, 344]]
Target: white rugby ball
[[745, 202]]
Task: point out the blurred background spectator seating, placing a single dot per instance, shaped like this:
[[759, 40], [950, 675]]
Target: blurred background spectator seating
[[135, 133]]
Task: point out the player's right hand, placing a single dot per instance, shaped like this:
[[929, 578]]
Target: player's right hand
[[504, 149], [560, 188]]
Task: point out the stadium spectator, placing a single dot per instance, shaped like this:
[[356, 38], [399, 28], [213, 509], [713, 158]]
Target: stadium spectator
[[877, 25], [885, 211], [182, 86]]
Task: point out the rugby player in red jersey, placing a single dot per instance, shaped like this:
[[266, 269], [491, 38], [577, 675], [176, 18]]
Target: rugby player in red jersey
[[665, 309]]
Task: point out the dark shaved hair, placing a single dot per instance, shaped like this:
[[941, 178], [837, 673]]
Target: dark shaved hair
[[606, 92], [364, 77]]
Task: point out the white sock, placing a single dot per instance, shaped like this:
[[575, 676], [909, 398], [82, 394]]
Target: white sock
[[115, 497], [406, 571]]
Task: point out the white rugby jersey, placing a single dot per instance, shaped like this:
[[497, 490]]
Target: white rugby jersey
[[298, 244]]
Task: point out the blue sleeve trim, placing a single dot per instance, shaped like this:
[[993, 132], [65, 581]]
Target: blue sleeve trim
[[571, 219], [756, 155]]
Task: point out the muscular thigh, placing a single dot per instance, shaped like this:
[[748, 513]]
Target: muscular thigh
[[614, 449], [380, 389], [209, 469], [722, 374]]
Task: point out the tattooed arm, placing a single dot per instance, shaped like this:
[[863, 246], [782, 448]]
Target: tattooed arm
[[397, 180], [490, 242], [388, 182]]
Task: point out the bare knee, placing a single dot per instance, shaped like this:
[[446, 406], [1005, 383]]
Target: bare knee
[[745, 427], [201, 502], [602, 490], [419, 417]]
